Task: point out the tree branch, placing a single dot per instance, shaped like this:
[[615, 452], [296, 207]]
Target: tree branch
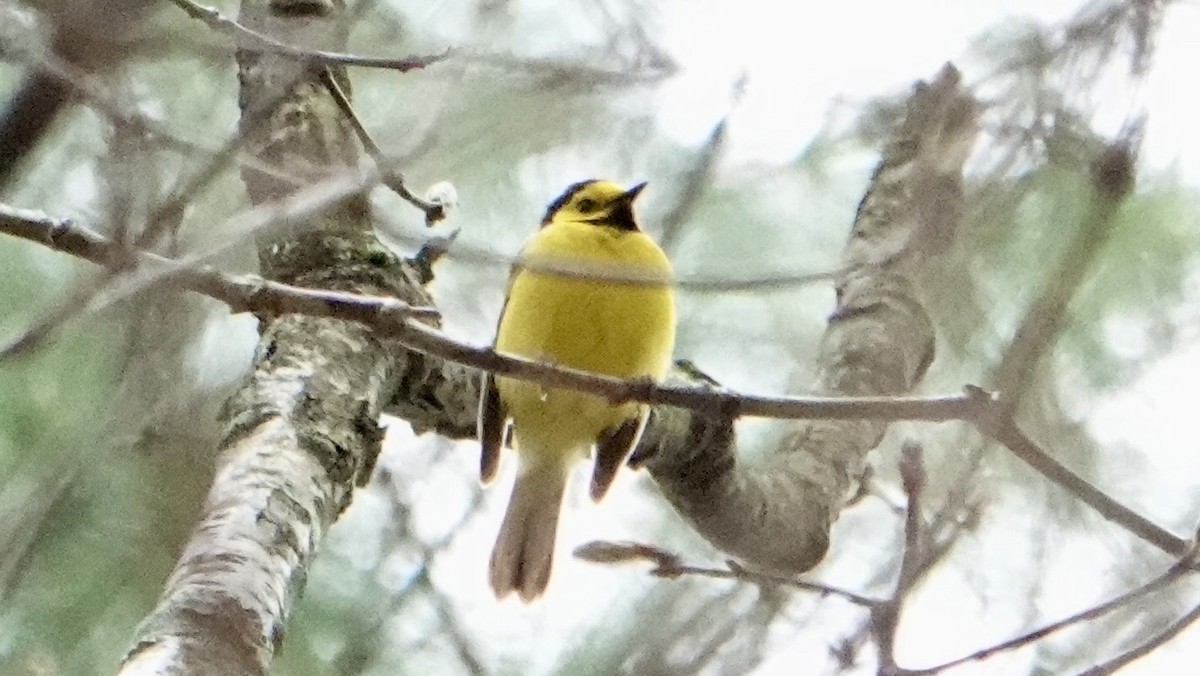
[[1112, 181], [262, 221], [242, 293], [303, 431], [775, 513], [388, 316], [669, 565], [1176, 628]]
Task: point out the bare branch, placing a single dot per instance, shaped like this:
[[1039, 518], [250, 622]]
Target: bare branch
[[885, 616], [560, 72], [1005, 431], [1177, 628], [262, 220], [690, 283], [245, 293], [248, 39], [775, 513], [696, 181], [87, 35], [1112, 181], [669, 565], [392, 178], [29, 504], [912, 473]]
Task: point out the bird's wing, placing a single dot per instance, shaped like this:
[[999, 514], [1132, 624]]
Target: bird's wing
[[613, 449], [492, 421]]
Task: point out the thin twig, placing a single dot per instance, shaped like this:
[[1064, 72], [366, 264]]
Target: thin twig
[[1005, 431], [912, 473], [392, 178], [975, 406], [25, 522], [699, 177], [558, 72], [241, 293], [669, 565], [1146, 648], [168, 214], [248, 39], [170, 211], [687, 283], [1175, 572]]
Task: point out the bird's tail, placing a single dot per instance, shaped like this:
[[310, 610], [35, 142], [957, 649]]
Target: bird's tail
[[524, 550]]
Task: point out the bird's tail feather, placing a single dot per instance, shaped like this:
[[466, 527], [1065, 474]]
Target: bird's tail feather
[[524, 550]]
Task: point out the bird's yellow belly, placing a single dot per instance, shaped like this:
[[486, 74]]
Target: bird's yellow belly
[[617, 329]]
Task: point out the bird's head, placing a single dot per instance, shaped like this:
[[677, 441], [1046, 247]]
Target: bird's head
[[600, 202]]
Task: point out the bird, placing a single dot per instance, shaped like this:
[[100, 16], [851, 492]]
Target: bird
[[590, 291]]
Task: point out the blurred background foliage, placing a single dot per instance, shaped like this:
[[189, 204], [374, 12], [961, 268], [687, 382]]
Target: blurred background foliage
[[107, 427]]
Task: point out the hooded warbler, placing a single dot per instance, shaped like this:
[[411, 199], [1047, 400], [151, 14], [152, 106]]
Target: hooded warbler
[[590, 291]]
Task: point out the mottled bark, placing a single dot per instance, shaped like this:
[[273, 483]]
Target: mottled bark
[[88, 36], [303, 431], [775, 513]]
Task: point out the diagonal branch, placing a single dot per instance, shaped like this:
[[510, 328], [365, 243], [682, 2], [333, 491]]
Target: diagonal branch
[[263, 220], [434, 210], [775, 513], [1176, 628], [1007, 433]]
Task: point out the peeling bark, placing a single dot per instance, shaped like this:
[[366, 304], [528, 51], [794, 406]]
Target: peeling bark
[[303, 431]]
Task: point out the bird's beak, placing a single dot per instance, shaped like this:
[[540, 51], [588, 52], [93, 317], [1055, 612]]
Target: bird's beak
[[629, 195]]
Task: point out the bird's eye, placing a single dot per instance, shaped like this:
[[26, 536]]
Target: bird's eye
[[586, 205]]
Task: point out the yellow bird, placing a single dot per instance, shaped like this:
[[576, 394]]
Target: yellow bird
[[590, 291]]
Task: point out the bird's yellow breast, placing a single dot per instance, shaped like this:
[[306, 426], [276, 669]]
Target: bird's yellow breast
[[622, 329]]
